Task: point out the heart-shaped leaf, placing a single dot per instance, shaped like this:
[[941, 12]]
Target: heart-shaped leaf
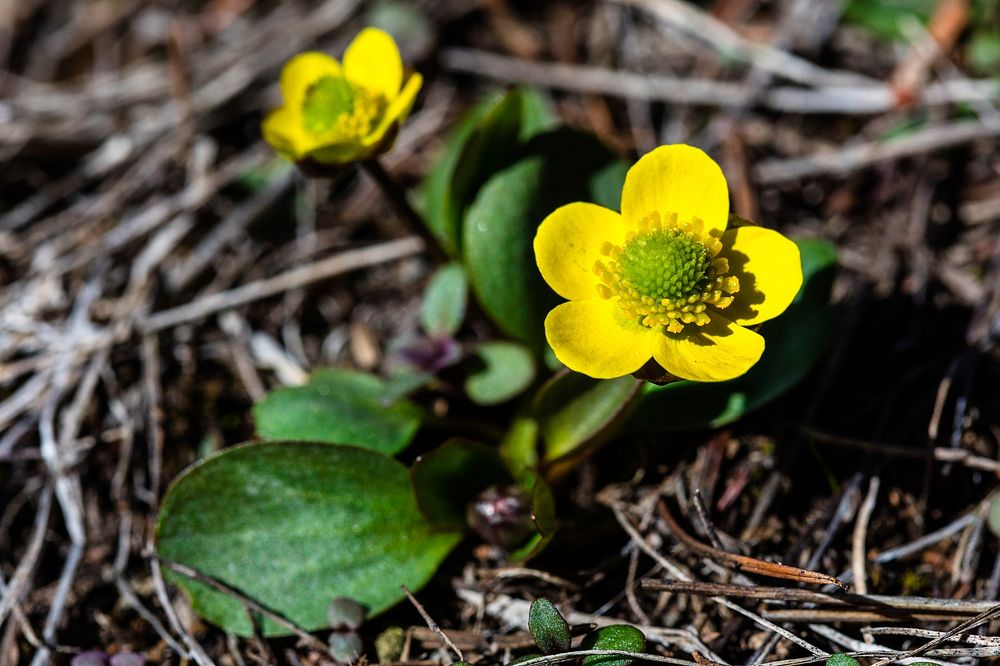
[[795, 342], [554, 169], [505, 369], [296, 525], [338, 406]]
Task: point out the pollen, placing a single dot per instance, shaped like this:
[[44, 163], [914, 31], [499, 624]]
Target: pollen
[[667, 274], [336, 109]]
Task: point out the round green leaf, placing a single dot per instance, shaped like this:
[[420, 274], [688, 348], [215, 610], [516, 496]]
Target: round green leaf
[[796, 340], [505, 370], [621, 637], [295, 525], [548, 627], [573, 410], [554, 169], [338, 407], [443, 307], [449, 477]]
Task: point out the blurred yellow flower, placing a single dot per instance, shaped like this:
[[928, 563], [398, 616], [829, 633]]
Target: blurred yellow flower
[[665, 279], [337, 113]]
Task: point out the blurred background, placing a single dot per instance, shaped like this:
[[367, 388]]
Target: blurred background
[[145, 229]]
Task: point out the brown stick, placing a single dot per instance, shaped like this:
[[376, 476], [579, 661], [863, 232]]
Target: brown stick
[[744, 563], [927, 605]]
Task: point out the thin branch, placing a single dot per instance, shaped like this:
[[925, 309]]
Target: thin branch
[[744, 563], [293, 279], [431, 624]]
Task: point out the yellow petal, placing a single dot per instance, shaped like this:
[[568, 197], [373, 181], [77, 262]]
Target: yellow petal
[[677, 179], [301, 72], [593, 337], [397, 111], [372, 62], [282, 131], [769, 269], [718, 351], [568, 243]]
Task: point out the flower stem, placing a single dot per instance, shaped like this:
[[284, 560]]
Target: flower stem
[[397, 197]]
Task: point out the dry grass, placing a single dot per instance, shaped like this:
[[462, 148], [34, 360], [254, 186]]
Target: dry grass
[[161, 270]]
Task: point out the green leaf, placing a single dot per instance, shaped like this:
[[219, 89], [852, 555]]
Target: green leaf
[[548, 627], [984, 51], [555, 168], [574, 410], [443, 196], [537, 114], [543, 512], [448, 478], [841, 659], [443, 307], [621, 637], [296, 525], [339, 407], [886, 18], [519, 447], [402, 383], [796, 340], [483, 142], [506, 369]]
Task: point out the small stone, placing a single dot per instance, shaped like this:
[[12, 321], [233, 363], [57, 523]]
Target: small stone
[[345, 613], [345, 647], [90, 658]]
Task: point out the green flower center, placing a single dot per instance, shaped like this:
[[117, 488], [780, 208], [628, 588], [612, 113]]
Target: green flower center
[[336, 107], [665, 263], [667, 274]]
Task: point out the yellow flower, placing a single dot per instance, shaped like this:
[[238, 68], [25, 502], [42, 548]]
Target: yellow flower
[[664, 279], [335, 114]]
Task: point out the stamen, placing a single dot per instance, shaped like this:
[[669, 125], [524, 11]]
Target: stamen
[[667, 273], [337, 109]]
